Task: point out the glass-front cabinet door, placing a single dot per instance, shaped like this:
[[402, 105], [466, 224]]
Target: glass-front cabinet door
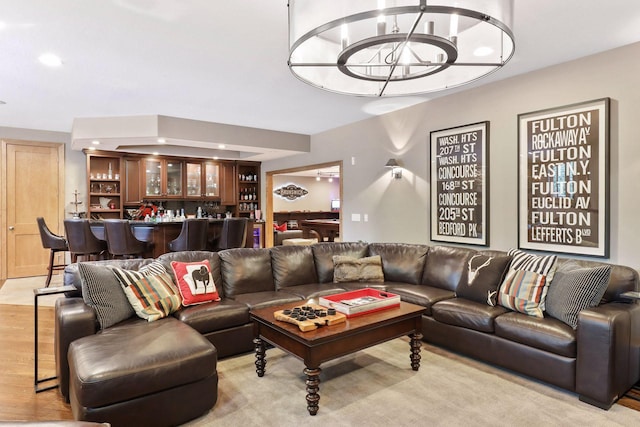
[[163, 178], [153, 178], [202, 180], [194, 180], [212, 180], [174, 178]]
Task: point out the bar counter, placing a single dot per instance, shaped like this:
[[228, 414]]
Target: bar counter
[[161, 233]]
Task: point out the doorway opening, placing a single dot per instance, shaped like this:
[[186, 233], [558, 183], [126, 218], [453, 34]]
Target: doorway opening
[[326, 205]]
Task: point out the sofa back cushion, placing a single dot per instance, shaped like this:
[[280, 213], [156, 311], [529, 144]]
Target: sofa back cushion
[[401, 262], [72, 276], [622, 278], [246, 270], [293, 265], [196, 256], [445, 265], [323, 256]]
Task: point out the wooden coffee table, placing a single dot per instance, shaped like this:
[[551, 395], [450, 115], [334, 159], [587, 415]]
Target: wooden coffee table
[[330, 342]]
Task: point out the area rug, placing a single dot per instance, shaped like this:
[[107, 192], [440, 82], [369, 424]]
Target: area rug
[[376, 387], [20, 291]]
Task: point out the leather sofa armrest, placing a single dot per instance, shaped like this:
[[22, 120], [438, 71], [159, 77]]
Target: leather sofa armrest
[[73, 319], [608, 359]]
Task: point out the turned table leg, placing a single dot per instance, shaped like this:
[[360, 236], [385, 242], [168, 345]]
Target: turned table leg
[[313, 383], [416, 343], [261, 363]]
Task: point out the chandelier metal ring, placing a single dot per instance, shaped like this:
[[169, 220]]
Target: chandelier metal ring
[[447, 47], [334, 45]]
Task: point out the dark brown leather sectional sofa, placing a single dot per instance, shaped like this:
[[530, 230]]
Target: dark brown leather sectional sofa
[[599, 361]]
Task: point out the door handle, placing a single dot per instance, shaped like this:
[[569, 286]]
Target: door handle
[[11, 227]]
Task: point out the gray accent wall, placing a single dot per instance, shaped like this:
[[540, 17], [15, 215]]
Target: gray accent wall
[[398, 210]]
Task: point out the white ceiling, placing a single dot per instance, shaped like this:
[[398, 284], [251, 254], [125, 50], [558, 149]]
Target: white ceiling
[[225, 61]]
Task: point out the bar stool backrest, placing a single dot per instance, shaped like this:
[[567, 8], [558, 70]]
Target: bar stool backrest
[[234, 233], [120, 238], [81, 239], [49, 239], [193, 236]]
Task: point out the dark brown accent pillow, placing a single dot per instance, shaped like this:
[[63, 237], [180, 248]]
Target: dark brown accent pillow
[[482, 277]]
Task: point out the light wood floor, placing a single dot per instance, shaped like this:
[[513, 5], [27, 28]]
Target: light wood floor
[[18, 401]]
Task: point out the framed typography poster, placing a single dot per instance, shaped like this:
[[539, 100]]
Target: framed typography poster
[[460, 184], [563, 179]]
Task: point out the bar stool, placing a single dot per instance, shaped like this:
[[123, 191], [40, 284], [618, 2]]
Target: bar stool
[[193, 236], [233, 235], [82, 241], [53, 242], [121, 241]]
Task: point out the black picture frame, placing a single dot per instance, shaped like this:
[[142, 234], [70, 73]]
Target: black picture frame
[[460, 184], [563, 179]]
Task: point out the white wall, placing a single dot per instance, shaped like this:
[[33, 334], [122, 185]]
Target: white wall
[[318, 200], [398, 210]]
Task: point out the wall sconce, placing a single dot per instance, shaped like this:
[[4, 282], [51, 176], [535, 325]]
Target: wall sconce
[[396, 169]]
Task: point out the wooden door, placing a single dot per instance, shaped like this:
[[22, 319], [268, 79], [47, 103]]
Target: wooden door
[[33, 186]]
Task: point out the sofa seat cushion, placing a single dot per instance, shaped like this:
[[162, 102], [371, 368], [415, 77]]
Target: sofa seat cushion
[[543, 333], [313, 290], [214, 316], [266, 298], [425, 296], [136, 359], [467, 314]]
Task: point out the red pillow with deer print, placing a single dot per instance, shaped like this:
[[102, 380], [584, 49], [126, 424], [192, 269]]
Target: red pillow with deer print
[[482, 278], [195, 282]]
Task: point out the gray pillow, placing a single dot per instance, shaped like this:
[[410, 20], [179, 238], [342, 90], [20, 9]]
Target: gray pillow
[[102, 292], [349, 269], [575, 288]]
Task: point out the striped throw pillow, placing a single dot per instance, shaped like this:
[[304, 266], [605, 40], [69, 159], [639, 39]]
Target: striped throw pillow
[[150, 290], [153, 297], [544, 265], [522, 291], [575, 289]]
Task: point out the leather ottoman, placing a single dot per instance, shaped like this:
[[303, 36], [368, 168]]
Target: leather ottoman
[[161, 373]]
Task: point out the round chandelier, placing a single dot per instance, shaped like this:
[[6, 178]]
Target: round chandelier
[[397, 47]]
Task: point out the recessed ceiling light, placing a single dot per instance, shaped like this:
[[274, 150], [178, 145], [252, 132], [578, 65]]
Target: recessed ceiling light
[[215, 157], [50, 60], [222, 146], [95, 142], [92, 148], [161, 140], [483, 51], [155, 153]]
